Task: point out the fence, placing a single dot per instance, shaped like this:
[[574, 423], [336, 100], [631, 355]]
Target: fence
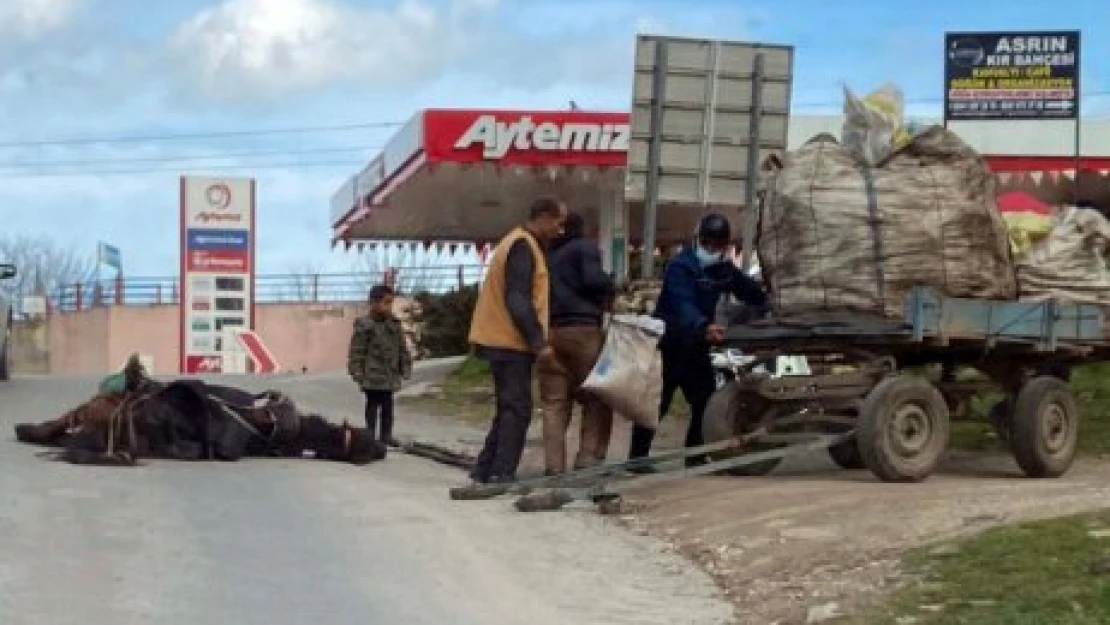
[[273, 288]]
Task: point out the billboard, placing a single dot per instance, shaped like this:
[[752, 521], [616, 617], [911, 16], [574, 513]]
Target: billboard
[[217, 267], [1013, 76], [714, 103]]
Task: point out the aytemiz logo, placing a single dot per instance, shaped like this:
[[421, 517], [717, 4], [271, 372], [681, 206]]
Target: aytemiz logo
[[204, 364], [497, 138], [218, 198]]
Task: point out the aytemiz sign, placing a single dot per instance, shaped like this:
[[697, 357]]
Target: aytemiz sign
[[526, 138], [497, 138], [1032, 75], [217, 267]]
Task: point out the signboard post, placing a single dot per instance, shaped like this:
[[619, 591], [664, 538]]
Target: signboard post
[[217, 267], [705, 113]]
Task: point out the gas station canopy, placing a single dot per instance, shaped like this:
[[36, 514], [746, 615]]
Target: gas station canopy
[[470, 175]]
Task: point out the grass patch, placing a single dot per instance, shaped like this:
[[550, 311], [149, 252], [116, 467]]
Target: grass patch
[[1091, 385], [471, 373], [466, 394], [1052, 572]]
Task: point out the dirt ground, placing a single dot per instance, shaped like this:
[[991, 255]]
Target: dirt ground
[[811, 535], [783, 544]]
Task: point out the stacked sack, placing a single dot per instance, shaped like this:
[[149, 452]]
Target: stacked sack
[[407, 311], [1070, 263], [638, 297], [849, 228]]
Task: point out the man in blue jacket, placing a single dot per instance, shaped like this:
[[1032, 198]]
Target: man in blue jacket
[[693, 282]]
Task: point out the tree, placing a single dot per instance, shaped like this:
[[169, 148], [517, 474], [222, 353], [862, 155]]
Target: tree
[[303, 284], [44, 266]]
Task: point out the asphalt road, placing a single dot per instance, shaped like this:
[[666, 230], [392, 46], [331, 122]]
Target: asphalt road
[[299, 541]]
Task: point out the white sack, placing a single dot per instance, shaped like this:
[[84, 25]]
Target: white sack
[[873, 124], [1070, 263], [628, 375]]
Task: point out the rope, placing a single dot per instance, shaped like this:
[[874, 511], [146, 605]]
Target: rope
[[876, 231]]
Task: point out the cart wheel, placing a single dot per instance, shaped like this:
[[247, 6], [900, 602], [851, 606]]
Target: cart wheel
[[903, 429], [727, 413], [1045, 427]]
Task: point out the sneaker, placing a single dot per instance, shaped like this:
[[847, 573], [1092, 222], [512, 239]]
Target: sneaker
[[644, 469], [478, 490], [391, 442]]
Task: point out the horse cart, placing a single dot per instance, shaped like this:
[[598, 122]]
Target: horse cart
[[891, 388], [877, 393]]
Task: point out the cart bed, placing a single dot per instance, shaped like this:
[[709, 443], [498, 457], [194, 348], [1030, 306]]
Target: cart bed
[[938, 321]]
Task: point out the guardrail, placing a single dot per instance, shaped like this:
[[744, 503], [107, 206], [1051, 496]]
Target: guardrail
[[270, 288]]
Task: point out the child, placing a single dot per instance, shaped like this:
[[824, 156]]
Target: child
[[377, 360]]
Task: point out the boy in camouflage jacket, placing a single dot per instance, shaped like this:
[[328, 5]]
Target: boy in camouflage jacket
[[377, 360]]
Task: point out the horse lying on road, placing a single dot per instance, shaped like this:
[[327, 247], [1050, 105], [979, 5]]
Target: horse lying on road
[[194, 420]]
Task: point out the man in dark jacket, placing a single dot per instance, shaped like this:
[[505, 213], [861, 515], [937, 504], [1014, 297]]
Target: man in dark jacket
[[509, 330], [580, 293], [693, 283]]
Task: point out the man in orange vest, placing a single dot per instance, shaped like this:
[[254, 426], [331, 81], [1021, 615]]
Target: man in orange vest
[[509, 330]]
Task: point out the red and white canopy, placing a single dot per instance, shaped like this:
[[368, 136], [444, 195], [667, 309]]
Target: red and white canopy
[[453, 175], [469, 175]]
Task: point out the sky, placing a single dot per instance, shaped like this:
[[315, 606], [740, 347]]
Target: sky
[[107, 102]]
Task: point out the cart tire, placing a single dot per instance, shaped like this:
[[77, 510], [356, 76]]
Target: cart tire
[[726, 415], [1045, 427], [846, 455], [904, 426]]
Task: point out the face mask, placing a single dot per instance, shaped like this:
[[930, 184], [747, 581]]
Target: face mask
[[706, 258]]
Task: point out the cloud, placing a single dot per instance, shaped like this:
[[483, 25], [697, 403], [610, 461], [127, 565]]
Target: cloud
[[32, 19], [249, 52], [243, 50]]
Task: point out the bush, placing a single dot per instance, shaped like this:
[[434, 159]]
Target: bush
[[634, 260], [445, 321]]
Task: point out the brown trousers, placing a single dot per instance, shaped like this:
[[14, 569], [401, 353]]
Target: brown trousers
[[576, 350]]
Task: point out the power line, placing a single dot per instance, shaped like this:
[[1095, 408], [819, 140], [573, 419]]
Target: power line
[[179, 170], [194, 135], [73, 141], [261, 132], [185, 158]]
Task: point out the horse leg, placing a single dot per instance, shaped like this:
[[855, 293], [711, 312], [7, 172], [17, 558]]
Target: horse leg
[[99, 409], [48, 433]]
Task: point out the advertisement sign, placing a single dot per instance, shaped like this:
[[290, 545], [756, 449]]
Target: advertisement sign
[[527, 138], [991, 76], [217, 266]]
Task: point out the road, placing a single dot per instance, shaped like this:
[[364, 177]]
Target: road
[[299, 541]]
